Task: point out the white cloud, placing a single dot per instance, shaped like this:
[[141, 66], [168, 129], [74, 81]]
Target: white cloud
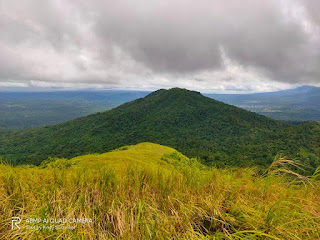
[[235, 46]]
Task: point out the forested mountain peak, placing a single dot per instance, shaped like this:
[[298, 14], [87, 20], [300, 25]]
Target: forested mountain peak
[[196, 125], [174, 94]]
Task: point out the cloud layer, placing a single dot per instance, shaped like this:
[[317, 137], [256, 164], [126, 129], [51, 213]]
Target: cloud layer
[[226, 45]]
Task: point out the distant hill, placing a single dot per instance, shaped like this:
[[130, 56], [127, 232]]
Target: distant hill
[[194, 124], [299, 104], [32, 109]]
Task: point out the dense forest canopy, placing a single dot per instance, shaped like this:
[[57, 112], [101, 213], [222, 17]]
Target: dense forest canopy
[[218, 133]]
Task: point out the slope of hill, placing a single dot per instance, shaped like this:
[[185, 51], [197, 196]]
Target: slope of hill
[[31, 109], [148, 191], [196, 125], [299, 104]]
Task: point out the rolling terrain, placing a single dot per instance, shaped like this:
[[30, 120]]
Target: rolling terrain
[[299, 104], [31, 109], [196, 125], [149, 191]]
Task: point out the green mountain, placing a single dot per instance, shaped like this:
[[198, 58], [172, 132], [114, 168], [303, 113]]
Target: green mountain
[[188, 121], [33, 109]]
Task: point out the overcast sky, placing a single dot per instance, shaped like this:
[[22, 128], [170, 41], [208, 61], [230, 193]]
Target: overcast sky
[[206, 45]]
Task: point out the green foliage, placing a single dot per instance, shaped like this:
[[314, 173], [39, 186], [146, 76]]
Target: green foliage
[[60, 163], [197, 126], [121, 148], [178, 159]]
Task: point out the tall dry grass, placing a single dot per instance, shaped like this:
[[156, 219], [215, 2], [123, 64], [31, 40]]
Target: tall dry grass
[[152, 192]]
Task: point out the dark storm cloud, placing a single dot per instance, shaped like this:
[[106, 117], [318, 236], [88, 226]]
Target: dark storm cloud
[[248, 44]]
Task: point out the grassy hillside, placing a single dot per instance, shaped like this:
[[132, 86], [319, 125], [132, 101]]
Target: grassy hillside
[[195, 125], [148, 191]]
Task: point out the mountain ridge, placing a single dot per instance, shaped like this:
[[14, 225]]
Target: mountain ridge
[[196, 125], [298, 104], [31, 109]]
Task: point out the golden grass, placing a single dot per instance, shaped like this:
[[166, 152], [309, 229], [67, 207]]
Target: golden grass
[[148, 191]]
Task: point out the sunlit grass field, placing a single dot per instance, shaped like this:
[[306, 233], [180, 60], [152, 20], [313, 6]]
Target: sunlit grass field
[[148, 191]]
